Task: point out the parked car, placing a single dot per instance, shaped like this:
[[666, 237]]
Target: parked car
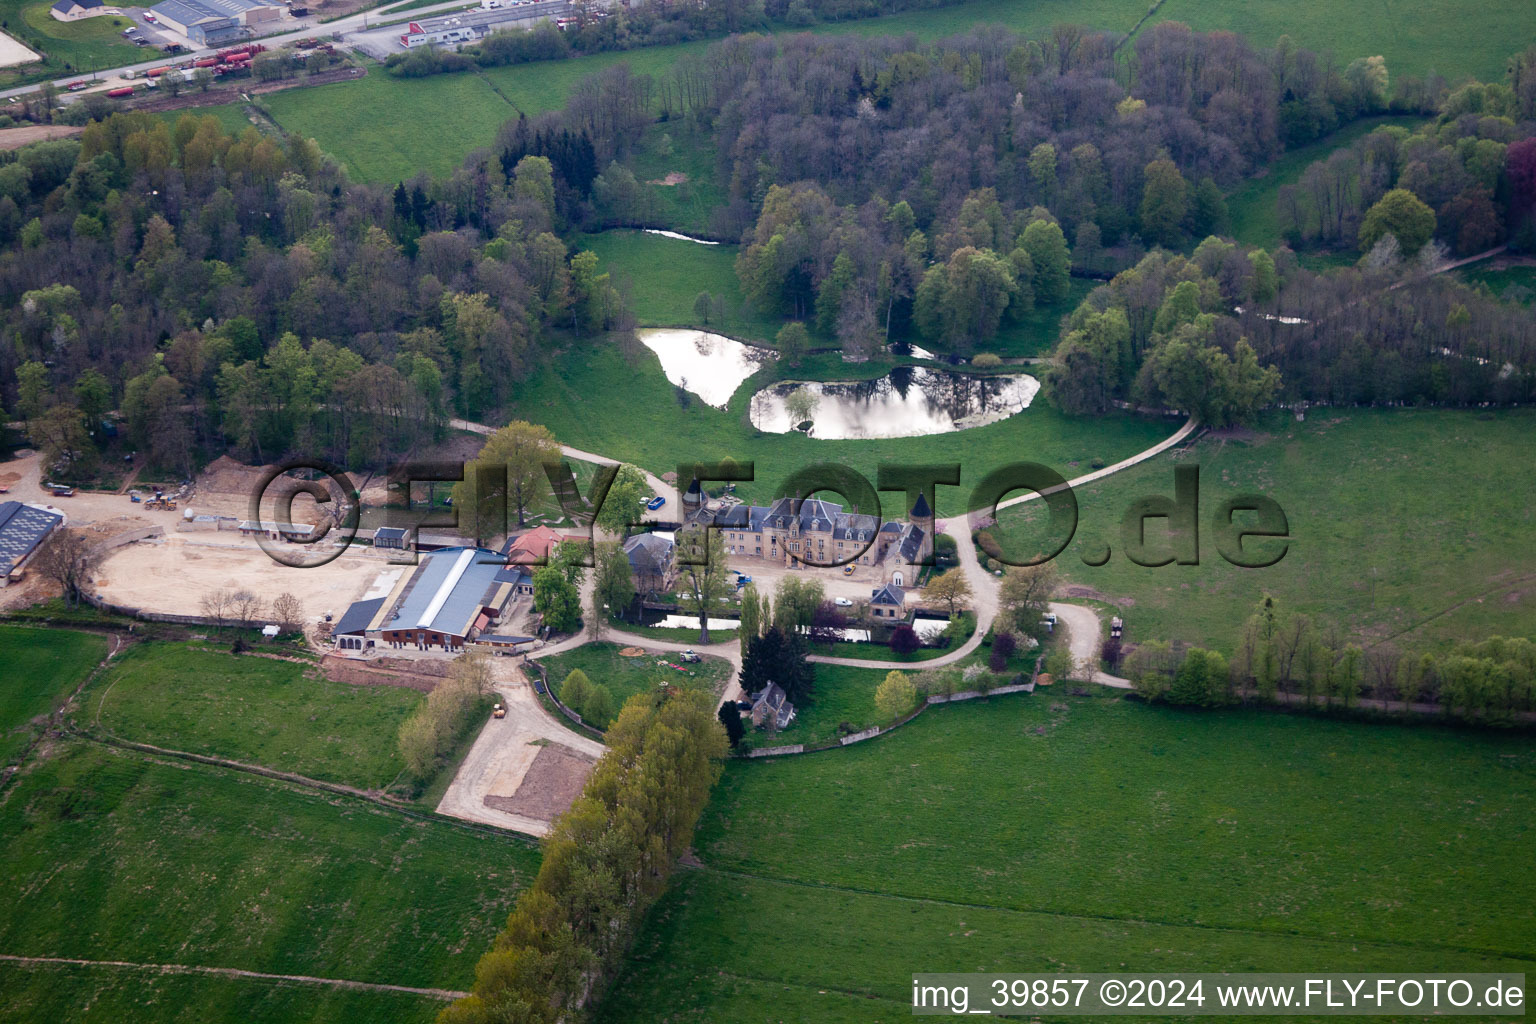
[[843, 602], [848, 569], [149, 17], [656, 503], [77, 86], [498, 711], [688, 657]]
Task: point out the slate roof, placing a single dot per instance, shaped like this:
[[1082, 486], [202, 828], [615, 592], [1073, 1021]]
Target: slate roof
[[22, 528], [389, 533], [920, 508], [354, 621], [649, 553], [65, 6], [911, 543], [889, 594]]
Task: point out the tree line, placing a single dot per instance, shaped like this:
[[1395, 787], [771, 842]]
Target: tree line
[[238, 292], [605, 862], [594, 29], [1225, 332], [1284, 656]]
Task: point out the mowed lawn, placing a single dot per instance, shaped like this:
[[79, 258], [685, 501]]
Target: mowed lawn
[[1415, 525], [601, 400], [625, 677], [280, 714], [1050, 833], [41, 668], [111, 855]]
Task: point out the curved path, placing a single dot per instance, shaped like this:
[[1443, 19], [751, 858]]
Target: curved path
[[1083, 623]]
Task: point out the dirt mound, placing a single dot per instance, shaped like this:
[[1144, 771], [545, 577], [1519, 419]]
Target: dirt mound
[[632, 652]]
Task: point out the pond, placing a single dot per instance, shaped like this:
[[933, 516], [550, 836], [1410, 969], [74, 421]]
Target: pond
[[907, 402], [705, 364]]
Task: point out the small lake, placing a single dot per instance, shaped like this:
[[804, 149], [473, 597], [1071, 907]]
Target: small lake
[[705, 364], [907, 402]]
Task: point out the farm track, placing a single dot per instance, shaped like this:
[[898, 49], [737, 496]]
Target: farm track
[[444, 994], [1046, 912], [300, 781]]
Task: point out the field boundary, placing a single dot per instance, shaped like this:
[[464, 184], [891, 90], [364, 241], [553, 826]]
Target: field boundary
[[444, 994], [301, 781], [1118, 918], [880, 730]]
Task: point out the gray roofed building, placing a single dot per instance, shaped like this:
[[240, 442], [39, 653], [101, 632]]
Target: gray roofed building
[[358, 617], [888, 602], [215, 21], [23, 528], [650, 561], [772, 705], [453, 595]]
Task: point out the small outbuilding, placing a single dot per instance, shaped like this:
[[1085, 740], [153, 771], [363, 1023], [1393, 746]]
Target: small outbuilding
[[888, 602]]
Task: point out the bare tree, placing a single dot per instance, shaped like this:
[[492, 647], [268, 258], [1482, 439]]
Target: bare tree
[[245, 607], [289, 612], [68, 560], [215, 607]]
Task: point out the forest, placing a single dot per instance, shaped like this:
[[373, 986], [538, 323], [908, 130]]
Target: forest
[[241, 292]]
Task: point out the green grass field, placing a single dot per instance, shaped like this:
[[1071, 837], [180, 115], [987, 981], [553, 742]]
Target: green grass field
[[1501, 280], [1054, 833], [1254, 216], [116, 856], [84, 45], [1407, 524], [1454, 39], [42, 667], [661, 277], [623, 407], [104, 995], [625, 677], [256, 710]]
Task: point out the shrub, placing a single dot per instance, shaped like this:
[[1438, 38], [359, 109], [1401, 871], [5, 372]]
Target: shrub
[[904, 639], [895, 696], [986, 361]]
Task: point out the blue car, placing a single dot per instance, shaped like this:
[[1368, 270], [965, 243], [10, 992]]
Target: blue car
[[656, 503]]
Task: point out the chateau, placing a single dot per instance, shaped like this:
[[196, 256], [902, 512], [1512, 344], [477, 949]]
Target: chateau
[[823, 534]]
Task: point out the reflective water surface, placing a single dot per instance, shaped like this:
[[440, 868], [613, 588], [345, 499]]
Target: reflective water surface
[[907, 402], [705, 364]]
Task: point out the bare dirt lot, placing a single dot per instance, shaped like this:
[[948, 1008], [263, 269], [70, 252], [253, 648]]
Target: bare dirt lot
[[171, 575], [551, 784], [505, 779], [15, 138]]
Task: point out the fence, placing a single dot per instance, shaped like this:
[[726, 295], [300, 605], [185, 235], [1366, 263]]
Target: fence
[[881, 730], [547, 690]]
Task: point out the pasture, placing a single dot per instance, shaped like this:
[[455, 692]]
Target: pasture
[[1049, 833], [256, 710], [1252, 206], [42, 668], [372, 124], [1408, 526], [116, 856], [614, 399]]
